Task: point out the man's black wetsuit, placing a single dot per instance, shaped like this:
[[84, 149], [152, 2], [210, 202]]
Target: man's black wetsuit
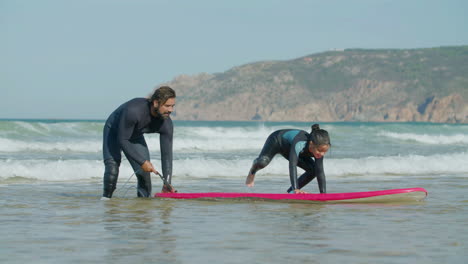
[[293, 145], [124, 131]]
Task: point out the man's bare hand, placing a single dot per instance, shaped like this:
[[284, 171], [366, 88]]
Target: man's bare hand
[[148, 167]]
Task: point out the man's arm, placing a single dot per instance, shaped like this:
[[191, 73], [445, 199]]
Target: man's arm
[[166, 142], [127, 123]]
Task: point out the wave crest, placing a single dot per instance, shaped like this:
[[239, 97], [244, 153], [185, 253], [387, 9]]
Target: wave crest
[[429, 139], [369, 167]]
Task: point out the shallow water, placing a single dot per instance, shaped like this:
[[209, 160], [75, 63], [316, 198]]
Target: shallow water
[[63, 222]]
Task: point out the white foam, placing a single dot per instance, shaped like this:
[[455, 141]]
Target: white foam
[[208, 148], [185, 139], [368, 167], [429, 139], [400, 165], [86, 146], [55, 170]]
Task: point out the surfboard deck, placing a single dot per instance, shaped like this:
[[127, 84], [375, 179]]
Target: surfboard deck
[[391, 195]]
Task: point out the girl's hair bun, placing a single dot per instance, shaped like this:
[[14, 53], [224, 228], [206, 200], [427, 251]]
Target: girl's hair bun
[[315, 127]]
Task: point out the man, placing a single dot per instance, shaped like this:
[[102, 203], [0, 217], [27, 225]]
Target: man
[[124, 131]]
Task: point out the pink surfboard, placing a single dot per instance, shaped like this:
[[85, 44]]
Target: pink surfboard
[[392, 195]]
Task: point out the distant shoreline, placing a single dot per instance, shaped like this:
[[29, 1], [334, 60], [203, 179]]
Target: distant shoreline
[[70, 120], [51, 120]]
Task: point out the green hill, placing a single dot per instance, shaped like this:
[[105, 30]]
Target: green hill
[[417, 85]]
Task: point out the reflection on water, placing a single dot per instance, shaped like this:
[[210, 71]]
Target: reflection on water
[[138, 227], [52, 223]]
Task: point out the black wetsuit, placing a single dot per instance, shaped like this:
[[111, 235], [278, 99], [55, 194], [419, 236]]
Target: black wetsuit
[[293, 145], [124, 131]]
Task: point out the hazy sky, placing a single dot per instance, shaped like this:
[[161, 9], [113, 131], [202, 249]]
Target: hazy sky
[[83, 58]]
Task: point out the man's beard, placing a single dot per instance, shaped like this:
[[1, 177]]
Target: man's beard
[[161, 115]]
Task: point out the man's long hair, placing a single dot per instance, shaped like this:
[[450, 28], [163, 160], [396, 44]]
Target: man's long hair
[[162, 94]]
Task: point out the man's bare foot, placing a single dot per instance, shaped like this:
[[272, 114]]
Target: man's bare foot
[[168, 189], [250, 180]]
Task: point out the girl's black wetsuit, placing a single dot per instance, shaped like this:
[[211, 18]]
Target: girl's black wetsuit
[[293, 145], [124, 131]]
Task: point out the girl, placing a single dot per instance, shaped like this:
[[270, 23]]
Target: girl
[[301, 149]]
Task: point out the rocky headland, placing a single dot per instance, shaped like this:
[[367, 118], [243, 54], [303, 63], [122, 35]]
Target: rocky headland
[[415, 85]]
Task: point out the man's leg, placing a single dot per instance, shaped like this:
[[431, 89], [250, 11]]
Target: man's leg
[[111, 175], [112, 158], [144, 178]]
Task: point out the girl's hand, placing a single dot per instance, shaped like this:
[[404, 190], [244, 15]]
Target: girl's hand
[[299, 191]]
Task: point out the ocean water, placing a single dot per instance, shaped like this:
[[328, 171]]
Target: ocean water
[[51, 182]]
